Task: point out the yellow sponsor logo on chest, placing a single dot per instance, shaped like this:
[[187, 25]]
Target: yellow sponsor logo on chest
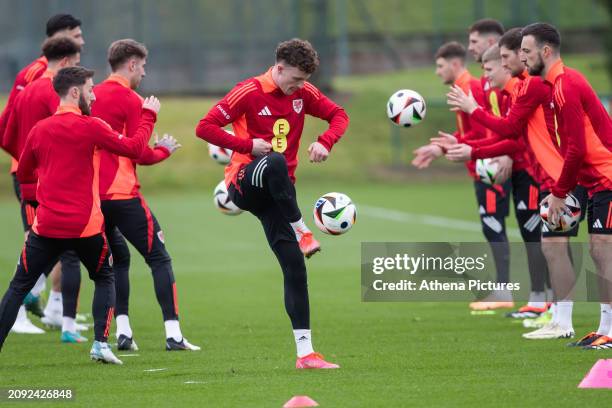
[[281, 130]]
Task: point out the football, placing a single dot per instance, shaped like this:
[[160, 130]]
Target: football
[[567, 222], [406, 108], [334, 213], [223, 202], [220, 154], [486, 171]]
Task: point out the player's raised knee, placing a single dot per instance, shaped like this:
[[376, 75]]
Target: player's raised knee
[[277, 162]]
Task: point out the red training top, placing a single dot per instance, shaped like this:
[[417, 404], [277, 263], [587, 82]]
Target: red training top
[[585, 132], [496, 145], [532, 117], [37, 101], [64, 150], [120, 106], [27, 75], [258, 109]]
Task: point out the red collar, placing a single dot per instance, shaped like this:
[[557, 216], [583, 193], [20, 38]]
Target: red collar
[[266, 81], [68, 109], [463, 79], [557, 69], [510, 85], [119, 79]]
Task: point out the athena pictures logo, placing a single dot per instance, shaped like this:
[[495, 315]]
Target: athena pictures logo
[[458, 271]]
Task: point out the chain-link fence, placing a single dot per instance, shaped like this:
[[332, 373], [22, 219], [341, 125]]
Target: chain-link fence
[[194, 45], [201, 46]]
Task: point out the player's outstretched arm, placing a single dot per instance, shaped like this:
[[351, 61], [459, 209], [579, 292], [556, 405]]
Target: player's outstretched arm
[[226, 111], [133, 111], [168, 142], [106, 138], [320, 106], [444, 140], [529, 99], [162, 149], [424, 155], [499, 148], [459, 152], [460, 101]]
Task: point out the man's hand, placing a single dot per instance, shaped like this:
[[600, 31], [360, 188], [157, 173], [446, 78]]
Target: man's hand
[[444, 140], [260, 147], [459, 152], [504, 168], [459, 101], [317, 153], [556, 207], [152, 103], [167, 141], [424, 155]]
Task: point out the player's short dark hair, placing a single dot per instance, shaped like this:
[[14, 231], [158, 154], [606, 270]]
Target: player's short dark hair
[[61, 22], [451, 50], [66, 78], [511, 39], [487, 26], [298, 53], [543, 33], [56, 48], [122, 50]]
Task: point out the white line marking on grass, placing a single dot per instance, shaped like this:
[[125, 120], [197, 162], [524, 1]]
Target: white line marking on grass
[[151, 370], [129, 355], [195, 382], [424, 219]]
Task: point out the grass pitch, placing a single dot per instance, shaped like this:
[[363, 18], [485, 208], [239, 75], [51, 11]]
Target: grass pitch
[[230, 298], [230, 289]]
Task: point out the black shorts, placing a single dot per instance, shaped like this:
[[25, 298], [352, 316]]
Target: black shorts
[[255, 198], [582, 196], [493, 200], [137, 223], [526, 197], [525, 192], [41, 253], [600, 213]]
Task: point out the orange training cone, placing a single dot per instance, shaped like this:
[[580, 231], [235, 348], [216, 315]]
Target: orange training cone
[[300, 401], [600, 375]]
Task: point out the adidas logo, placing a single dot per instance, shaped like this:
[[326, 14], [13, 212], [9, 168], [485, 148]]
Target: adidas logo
[[532, 222], [303, 338], [265, 112], [492, 223], [597, 224], [521, 205]]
